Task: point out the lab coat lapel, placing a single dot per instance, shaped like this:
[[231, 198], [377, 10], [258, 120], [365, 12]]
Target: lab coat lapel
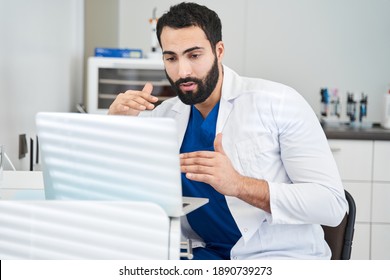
[[225, 107], [228, 94], [243, 213], [182, 116]]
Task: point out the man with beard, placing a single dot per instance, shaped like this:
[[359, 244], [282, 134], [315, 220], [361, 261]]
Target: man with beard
[[253, 147]]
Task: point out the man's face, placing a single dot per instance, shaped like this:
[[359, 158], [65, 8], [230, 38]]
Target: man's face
[[192, 90], [191, 65]]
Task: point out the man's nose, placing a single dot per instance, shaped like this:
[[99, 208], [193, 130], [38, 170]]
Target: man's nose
[[185, 69]]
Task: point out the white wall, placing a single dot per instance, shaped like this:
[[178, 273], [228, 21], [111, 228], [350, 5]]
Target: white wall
[[307, 44], [135, 31], [311, 44], [100, 30], [41, 53]]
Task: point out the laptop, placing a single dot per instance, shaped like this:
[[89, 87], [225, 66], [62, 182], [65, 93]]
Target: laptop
[[105, 157]]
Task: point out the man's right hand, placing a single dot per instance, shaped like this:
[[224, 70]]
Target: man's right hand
[[132, 102]]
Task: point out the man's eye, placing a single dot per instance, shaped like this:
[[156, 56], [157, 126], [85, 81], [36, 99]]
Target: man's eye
[[170, 58], [195, 55]]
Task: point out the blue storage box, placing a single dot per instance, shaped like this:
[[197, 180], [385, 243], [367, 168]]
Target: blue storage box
[[112, 52]]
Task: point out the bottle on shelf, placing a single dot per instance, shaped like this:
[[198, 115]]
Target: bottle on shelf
[[351, 107], [363, 107], [385, 123]]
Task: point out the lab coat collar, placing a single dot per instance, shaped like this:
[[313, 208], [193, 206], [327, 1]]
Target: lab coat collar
[[232, 85], [230, 91]]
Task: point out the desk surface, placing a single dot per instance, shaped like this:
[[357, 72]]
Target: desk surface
[[22, 180], [357, 133], [22, 185]]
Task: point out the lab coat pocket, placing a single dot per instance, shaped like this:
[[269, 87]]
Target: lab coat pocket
[[298, 241], [255, 154]]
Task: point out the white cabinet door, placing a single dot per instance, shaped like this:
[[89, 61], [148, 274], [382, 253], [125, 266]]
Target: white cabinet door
[[361, 193], [382, 161], [353, 158], [380, 245], [361, 242], [381, 203]]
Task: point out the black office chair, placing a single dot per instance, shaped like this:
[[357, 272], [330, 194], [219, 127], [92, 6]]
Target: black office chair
[[340, 238]]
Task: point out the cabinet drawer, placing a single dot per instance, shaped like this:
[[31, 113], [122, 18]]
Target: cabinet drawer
[[361, 242], [361, 193], [381, 203], [353, 158], [381, 161], [380, 242]]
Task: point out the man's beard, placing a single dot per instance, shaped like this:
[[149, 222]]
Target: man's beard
[[205, 88]]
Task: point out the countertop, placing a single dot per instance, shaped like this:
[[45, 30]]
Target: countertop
[[345, 131], [22, 185]]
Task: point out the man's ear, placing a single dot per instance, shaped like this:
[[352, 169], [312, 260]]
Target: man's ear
[[220, 50]]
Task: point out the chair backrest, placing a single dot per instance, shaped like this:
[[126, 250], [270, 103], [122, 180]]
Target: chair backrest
[[340, 238]]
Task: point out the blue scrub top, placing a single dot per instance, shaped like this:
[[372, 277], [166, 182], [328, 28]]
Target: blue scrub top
[[213, 222]]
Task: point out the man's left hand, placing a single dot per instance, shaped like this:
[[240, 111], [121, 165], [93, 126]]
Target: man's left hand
[[213, 168]]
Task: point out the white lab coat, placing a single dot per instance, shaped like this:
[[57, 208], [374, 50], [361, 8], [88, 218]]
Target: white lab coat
[[270, 132]]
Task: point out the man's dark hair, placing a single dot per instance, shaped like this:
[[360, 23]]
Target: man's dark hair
[[192, 14]]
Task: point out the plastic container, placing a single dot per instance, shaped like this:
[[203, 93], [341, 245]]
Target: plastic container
[[386, 111]]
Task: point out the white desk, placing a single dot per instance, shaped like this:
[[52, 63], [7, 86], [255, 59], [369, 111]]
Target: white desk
[[22, 185]]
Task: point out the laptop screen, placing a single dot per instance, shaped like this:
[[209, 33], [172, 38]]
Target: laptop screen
[[104, 157]]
